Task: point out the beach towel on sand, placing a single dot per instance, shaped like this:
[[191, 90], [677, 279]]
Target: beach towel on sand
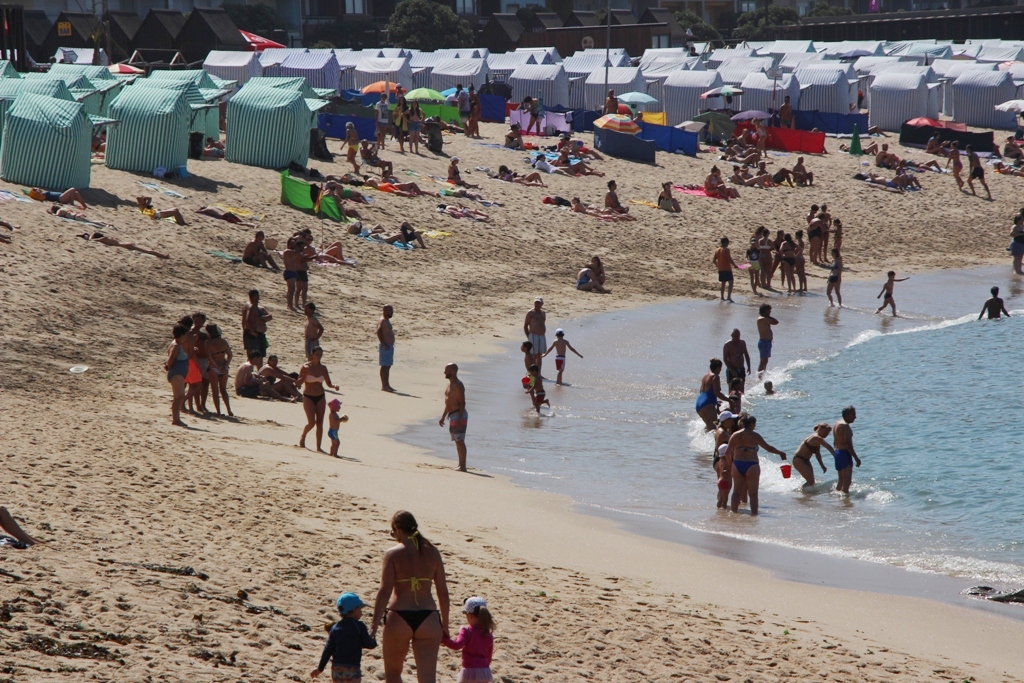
[[224, 255], [162, 190], [644, 202], [693, 192]]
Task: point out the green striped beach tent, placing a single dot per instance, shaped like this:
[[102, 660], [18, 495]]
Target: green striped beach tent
[[291, 83], [95, 95], [93, 73], [7, 69], [269, 127], [46, 143], [206, 115], [152, 131], [11, 88], [197, 76]]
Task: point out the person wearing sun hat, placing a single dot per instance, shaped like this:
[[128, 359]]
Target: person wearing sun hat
[[476, 641], [346, 642]]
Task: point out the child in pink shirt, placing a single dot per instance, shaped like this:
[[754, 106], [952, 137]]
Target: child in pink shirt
[[476, 641]]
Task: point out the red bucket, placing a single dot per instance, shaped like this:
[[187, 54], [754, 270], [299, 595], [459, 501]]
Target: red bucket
[[787, 471]]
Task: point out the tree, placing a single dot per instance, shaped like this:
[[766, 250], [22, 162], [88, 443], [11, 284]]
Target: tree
[[823, 9], [702, 32], [253, 18], [757, 25], [426, 25]]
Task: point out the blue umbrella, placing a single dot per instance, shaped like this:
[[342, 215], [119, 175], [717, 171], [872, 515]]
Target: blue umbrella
[[751, 114], [449, 91], [636, 98]]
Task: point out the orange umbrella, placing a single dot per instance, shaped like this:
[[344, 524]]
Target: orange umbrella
[[617, 123], [380, 86]]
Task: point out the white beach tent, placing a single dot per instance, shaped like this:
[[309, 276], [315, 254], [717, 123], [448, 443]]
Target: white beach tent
[[826, 90], [724, 54], [1000, 53], [899, 96], [764, 94], [655, 73], [794, 60], [394, 52], [681, 92], [735, 70], [785, 47], [422, 64], [974, 95], [550, 52], [930, 51], [451, 72], [394, 69], [232, 65], [864, 66], [948, 70], [653, 54], [582, 65], [621, 79], [318, 67], [546, 81], [502, 65], [835, 50]]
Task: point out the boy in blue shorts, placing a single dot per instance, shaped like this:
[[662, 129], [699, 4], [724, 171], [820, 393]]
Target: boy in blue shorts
[[334, 424]]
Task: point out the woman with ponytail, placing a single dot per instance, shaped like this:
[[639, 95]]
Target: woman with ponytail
[[405, 605]]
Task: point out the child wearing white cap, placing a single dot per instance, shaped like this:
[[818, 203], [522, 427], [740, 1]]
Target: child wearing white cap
[[559, 346], [348, 638], [476, 641]]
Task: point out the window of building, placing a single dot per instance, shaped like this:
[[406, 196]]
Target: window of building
[[465, 6], [748, 6], [355, 6], [660, 41], [322, 8]]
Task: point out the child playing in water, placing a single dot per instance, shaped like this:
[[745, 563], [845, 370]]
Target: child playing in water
[[527, 349], [476, 640], [887, 291], [536, 389], [346, 642], [736, 395], [769, 389], [559, 346], [335, 423]]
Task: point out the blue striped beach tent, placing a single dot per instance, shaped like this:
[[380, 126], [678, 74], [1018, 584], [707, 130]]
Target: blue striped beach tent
[[206, 116], [270, 127], [152, 131], [46, 143], [233, 65], [297, 83], [7, 69]]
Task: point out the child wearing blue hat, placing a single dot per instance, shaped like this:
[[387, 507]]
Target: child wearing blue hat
[[346, 642]]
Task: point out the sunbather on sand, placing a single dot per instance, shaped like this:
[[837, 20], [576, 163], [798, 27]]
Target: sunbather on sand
[[68, 196], [468, 194], [6, 239], [800, 173], [224, 216], [783, 175], [111, 242], [530, 180], [577, 148], [747, 158], [743, 177], [894, 185], [73, 215], [406, 234], [576, 206], [1001, 168], [714, 186], [392, 186], [369, 155], [332, 253], [146, 207], [460, 211]]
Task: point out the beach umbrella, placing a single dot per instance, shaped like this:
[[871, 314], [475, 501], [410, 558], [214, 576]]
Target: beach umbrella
[[724, 91], [379, 87], [636, 98], [718, 123], [449, 91], [617, 123], [691, 126], [259, 43], [751, 114], [424, 95], [124, 69], [1011, 105]]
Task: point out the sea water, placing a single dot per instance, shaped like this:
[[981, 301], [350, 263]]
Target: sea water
[[939, 422]]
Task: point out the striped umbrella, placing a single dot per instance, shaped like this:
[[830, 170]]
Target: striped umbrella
[[618, 123]]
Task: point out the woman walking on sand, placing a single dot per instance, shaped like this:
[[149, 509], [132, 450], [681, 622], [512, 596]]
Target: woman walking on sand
[[958, 166], [313, 377], [835, 278], [413, 618], [1017, 245], [746, 469], [177, 370], [801, 263]]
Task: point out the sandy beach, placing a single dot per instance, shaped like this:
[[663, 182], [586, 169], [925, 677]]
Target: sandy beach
[[214, 553]]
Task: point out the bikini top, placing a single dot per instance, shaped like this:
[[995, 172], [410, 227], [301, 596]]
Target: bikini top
[[314, 379], [415, 583], [747, 448]]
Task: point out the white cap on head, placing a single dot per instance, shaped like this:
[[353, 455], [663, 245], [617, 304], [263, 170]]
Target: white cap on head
[[538, 300], [455, 159], [727, 415], [473, 604], [559, 331]]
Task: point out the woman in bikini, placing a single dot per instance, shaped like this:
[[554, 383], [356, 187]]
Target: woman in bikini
[[835, 278], [313, 377], [746, 470], [767, 262], [780, 235], [958, 166], [111, 242], [413, 618], [787, 256], [415, 118], [811, 446], [531, 179], [801, 262], [220, 355]]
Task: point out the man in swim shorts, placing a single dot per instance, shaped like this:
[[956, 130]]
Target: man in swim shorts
[[256, 253], [386, 347], [765, 337], [843, 439], [736, 359], [455, 412], [254, 324], [314, 329], [724, 263], [535, 327]]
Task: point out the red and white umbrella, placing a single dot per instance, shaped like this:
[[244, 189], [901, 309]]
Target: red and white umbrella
[[258, 43], [126, 69]]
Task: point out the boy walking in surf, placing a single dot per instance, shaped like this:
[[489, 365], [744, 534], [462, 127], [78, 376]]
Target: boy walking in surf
[[559, 346], [535, 389], [887, 291], [765, 337]]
